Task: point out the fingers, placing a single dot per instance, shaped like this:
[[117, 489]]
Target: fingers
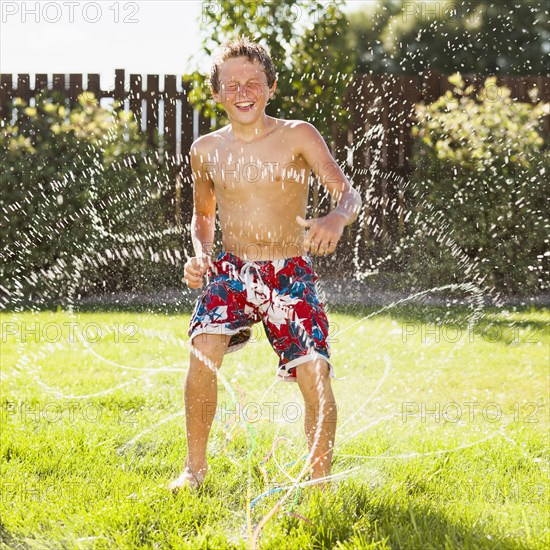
[[194, 271], [326, 248], [192, 280], [318, 240], [319, 247], [198, 266], [193, 283], [310, 239], [314, 248]]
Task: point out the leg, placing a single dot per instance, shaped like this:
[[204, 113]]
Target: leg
[[320, 416], [201, 398]]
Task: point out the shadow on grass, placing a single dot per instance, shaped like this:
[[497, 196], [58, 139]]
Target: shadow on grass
[[416, 526], [7, 539], [159, 309], [411, 315], [456, 315], [354, 514]]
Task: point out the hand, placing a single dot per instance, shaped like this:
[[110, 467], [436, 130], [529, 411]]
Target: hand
[[195, 269], [324, 233]]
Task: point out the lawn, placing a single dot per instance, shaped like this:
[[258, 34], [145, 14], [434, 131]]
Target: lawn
[[442, 435]]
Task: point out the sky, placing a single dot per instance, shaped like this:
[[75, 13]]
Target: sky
[[144, 37]]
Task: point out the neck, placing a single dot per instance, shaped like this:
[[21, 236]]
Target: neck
[[249, 132]]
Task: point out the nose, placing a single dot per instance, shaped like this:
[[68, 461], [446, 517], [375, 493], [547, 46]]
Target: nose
[[243, 90]]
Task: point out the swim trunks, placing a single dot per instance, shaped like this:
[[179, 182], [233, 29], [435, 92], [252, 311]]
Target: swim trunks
[[281, 293]]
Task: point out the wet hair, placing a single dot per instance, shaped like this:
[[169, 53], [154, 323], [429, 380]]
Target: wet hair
[[242, 47]]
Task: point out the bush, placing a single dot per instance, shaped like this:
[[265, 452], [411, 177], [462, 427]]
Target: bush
[[83, 201], [478, 191]]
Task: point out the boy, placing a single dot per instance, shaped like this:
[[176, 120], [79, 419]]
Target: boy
[[256, 170]]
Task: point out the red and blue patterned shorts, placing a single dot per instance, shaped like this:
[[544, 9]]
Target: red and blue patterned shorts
[[281, 293]]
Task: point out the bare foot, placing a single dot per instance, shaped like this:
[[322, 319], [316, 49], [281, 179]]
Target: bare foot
[[188, 479]]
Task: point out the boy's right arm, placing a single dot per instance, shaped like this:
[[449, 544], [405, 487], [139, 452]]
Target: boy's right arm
[[204, 203], [204, 218]]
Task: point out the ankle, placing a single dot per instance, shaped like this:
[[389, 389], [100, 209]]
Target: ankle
[[320, 473], [196, 466]]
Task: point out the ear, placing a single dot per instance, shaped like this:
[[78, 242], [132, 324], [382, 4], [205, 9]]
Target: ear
[[216, 95], [272, 89]]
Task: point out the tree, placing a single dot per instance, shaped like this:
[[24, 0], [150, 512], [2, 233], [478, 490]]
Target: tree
[[308, 42], [470, 37]]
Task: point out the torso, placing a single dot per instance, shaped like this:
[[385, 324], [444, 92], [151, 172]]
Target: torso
[[260, 187]]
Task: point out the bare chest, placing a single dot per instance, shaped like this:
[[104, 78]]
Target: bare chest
[[266, 169]]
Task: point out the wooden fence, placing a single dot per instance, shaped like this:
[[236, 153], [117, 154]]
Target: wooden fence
[[380, 107]]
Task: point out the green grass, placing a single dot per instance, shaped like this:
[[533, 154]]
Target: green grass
[[93, 431]]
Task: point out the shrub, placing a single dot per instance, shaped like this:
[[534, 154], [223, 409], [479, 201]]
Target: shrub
[[83, 201], [478, 190]]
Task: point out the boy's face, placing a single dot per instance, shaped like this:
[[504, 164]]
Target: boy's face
[[244, 92]]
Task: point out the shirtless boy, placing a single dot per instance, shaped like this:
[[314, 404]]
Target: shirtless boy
[[256, 170]]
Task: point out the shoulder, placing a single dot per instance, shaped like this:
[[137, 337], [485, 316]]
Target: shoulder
[[303, 131], [305, 138], [299, 126], [206, 144]]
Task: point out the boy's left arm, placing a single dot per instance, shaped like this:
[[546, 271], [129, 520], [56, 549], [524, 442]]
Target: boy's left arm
[[325, 232]]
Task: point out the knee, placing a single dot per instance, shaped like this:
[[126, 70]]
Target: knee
[[208, 349], [312, 374]]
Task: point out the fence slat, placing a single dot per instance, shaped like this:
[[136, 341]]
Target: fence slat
[[186, 142], [382, 181], [94, 86], [120, 92], [40, 83], [204, 124], [186, 120], [170, 129], [412, 96], [170, 133], [152, 98], [58, 83], [75, 87], [136, 96], [365, 119], [6, 93], [23, 87]]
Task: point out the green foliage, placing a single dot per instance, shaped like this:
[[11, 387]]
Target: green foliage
[[472, 37], [75, 184], [482, 172], [307, 42]]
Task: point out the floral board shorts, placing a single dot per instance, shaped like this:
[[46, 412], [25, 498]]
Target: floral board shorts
[[281, 293]]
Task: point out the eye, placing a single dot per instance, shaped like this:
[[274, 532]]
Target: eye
[[231, 88]]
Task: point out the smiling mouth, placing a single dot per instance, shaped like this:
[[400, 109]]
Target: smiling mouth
[[244, 106]]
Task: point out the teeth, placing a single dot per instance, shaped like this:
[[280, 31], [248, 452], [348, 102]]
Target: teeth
[[247, 104]]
